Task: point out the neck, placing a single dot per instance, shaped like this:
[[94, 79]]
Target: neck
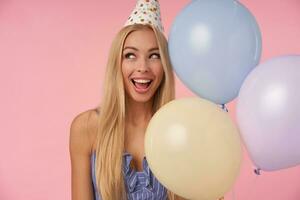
[[137, 113]]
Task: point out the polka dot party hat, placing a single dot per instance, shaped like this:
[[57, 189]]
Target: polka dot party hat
[[146, 12]]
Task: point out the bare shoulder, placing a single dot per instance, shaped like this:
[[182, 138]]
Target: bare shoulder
[[83, 131]]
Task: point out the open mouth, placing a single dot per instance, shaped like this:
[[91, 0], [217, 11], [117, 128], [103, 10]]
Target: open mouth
[[141, 85]]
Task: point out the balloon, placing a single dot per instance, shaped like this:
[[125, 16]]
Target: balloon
[[213, 46], [268, 113], [193, 148]]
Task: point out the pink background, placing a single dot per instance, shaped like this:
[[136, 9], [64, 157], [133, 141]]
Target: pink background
[[52, 58]]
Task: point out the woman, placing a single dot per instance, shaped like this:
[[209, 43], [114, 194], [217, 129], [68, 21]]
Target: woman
[[138, 81], [107, 143]]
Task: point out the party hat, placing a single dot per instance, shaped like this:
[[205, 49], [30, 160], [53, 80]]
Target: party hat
[[146, 12]]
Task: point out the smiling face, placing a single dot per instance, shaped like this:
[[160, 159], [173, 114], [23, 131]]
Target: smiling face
[[142, 69]]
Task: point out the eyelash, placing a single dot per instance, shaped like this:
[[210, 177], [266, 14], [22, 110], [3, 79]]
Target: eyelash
[[129, 54]]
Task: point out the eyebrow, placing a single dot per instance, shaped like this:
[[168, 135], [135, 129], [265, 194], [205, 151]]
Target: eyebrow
[[151, 49]]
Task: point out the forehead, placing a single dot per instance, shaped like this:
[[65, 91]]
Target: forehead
[[141, 39]]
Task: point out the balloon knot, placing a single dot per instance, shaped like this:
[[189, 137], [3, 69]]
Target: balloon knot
[[257, 171]]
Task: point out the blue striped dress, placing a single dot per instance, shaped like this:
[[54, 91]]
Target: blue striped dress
[[139, 185]]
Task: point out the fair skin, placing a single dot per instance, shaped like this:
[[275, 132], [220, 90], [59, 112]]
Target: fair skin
[[140, 60], [143, 61], [82, 136]]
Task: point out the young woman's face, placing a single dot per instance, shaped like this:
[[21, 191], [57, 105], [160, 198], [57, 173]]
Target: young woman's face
[[141, 65]]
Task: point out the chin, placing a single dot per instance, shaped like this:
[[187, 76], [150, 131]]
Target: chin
[[141, 98]]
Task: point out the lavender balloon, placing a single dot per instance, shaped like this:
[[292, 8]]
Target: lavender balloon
[[268, 113]]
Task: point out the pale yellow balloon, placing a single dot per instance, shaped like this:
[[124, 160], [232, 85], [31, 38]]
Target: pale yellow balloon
[[194, 148]]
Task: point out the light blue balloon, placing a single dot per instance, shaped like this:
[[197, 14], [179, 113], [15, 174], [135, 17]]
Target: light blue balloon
[[213, 46]]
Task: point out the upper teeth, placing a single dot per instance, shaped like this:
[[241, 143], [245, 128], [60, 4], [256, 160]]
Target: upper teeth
[[141, 80]]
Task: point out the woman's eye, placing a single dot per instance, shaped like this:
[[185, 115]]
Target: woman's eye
[[129, 55], [155, 55]]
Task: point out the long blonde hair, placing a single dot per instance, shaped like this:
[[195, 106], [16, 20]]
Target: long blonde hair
[[109, 144]]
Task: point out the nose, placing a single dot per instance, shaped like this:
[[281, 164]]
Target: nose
[[143, 66]]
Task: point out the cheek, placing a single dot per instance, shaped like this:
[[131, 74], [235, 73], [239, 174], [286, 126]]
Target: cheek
[[125, 74], [125, 71], [159, 72]]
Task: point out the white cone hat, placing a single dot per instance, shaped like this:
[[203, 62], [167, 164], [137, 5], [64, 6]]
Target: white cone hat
[[146, 12]]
